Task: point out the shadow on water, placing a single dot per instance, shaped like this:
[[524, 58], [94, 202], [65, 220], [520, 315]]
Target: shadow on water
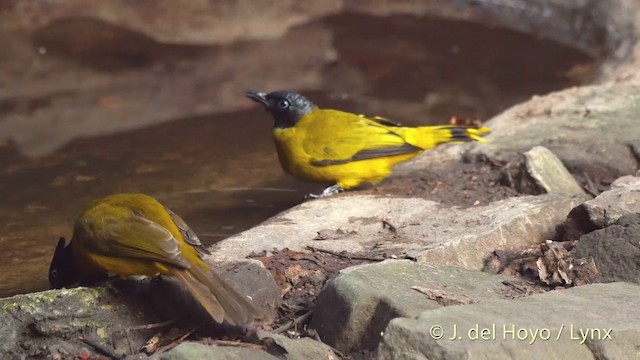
[[220, 171]]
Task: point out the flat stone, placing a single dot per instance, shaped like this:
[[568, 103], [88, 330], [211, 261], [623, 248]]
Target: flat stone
[[541, 326], [191, 350], [622, 198], [615, 250], [352, 313], [423, 229]]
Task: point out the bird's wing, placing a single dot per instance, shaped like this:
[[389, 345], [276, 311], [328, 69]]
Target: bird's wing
[[127, 234], [339, 138], [381, 120], [189, 235]]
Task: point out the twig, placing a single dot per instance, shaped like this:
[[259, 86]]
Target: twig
[[126, 336], [101, 349], [154, 325], [388, 225], [175, 341], [590, 187], [238, 344], [442, 297], [345, 256], [295, 322], [517, 287]]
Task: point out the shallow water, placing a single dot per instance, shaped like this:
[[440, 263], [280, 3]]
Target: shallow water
[[91, 117]]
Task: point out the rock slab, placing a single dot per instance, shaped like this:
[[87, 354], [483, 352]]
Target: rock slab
[[422, 229], [598, 321], [356, 306]]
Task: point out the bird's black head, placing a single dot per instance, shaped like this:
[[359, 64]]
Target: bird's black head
[[286, 107], [62, 271]]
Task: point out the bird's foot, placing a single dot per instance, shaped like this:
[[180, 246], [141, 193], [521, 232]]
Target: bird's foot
[[331, 190]]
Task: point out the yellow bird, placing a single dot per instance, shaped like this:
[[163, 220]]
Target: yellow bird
[[332, 146], [133, 234]]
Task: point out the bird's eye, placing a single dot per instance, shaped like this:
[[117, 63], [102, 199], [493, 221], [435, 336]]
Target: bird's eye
[[284, 104], [54, 273]]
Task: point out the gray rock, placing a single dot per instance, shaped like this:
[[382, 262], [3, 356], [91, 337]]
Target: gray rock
[[356, 306], [615, 250], [540, 171], [423, 229], [622, 198], [491, 329], [252, 279], [295, 349], [587, 128], [191, 350]]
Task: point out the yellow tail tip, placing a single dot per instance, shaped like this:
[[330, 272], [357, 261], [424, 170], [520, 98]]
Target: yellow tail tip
[[477, 134]]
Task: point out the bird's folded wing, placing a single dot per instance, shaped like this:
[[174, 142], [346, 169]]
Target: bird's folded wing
[[135, 237], [189, 235], [342, 140], [381, 120]]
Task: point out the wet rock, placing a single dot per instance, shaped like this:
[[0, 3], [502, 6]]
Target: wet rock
[[551, 326], [351, 313], [224, 22], [422, 229], [622, 198], [198, 22], [539, 171], [598, 120], [191, 350], [48, 323], [294, 349], [615, 250]]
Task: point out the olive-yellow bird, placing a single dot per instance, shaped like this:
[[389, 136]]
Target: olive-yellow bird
[[133, 234], [332, 146]]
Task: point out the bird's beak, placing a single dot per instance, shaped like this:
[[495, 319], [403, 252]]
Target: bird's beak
[[259, 97]]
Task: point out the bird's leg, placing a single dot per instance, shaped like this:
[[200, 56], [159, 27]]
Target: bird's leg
[[331, 190]]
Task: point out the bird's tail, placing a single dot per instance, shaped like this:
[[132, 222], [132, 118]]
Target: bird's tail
[[217, 297], [426, 137]]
